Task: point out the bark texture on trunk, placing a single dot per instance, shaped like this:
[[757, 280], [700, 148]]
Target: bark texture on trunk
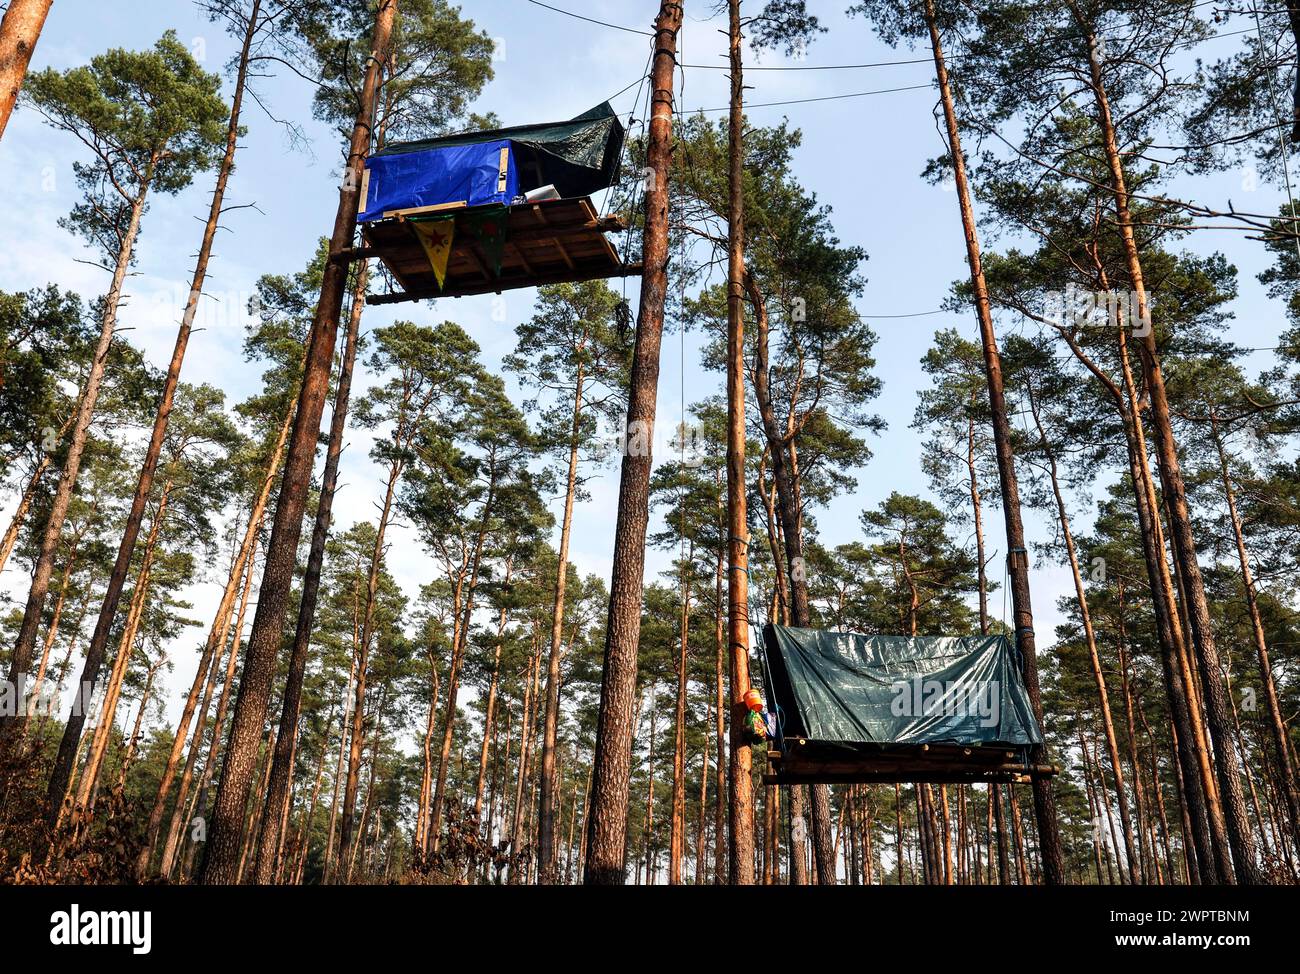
[[1175, 496], [1277, 724], [21, 658], [741, 791], [1017, 555], [1094, 658], [148, 468], [607, 824], [550, 775], [277, 798], [19, 32], [221, 859], [216, 639]]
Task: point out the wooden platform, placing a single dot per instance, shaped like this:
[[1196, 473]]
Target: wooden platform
[[808, 762], [548, 242]]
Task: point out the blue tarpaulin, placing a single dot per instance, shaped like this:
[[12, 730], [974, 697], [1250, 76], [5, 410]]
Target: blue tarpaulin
[[472, 175]]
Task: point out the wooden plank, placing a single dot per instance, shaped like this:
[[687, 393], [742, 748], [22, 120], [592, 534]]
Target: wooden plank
[[550, 241], [932, 778], [555, 241], [348, 254], [456, 290], [435, 208], [472, 253], [503, 168], [1016, 773], [853, 767], [512, 248]]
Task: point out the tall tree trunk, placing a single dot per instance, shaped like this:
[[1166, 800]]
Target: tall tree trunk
[[977, 512], [1138, 790], [946, 824], [1094, 811], [254, 817], [741, 799], [1017, 554], [568, 848], [525, 755], [330, 862], [550, 776], [144, 484], [363, 663], [489, 711], [52, 633], [304, 830], [19, 31], [582, 836], [1004, 848], [719, 699], [459, 637], [869, 857], [277, 798], [1205, 811], [171, 847], [510, 804], [25, 504], [853, 853], [1175, 495], [376, 741], [125, 650], [607, 823], [1018, 833], [133, 742], [785, 479], [216, 640], [21, 658], [1094, 658], [426, 754], [222, 850], [677, 845], [701, 851], [1276, 722], [650, 792]]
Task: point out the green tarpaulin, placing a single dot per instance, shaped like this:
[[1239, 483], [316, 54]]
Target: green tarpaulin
[[845, 688], [579, 157]]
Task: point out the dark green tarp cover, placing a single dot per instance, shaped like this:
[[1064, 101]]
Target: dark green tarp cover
[[579, 156], [839, 687]]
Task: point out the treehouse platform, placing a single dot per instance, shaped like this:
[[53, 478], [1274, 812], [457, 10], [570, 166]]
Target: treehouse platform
[[850, 708], [545, 242], [488, 211]]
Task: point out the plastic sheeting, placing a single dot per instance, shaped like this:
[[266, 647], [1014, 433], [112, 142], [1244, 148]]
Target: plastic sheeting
[[848, 688], [468, 174], [579, 157]]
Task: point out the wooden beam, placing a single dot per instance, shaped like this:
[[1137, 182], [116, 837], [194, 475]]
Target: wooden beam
[[563, 253], [472, 251], [454, 290], [519, 255], [416, 210], [1018, 774], [349, 254]]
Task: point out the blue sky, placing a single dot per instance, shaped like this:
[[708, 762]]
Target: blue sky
[[863, 156]]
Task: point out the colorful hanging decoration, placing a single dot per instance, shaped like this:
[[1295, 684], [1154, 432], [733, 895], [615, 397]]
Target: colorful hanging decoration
[[489, 224], [436, 235]]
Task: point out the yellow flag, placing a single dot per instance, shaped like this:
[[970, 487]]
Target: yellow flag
[[435, 237]]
